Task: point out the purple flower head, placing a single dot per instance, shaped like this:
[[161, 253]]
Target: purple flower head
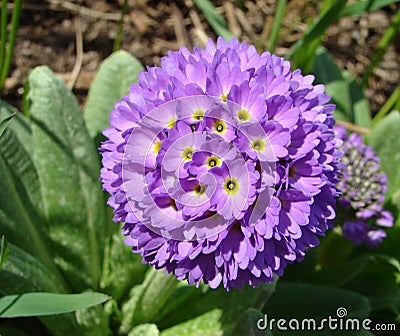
[[223, 164], [363, 186]]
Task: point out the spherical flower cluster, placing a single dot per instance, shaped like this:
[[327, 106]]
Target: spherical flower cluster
[[223, 165], [363, 187]]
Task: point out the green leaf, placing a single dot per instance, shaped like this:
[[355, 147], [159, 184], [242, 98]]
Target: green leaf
[[251, 324], [111, 83], [360, 105], [145, 330], [306, 301], [215, 312], [148, 300], [68, 169], [362, 6], [346, 93], [328, 73], [21, 204], [93, 321], [121, 268], [4, 250], [40, 304], [385, 140], [23, 273], [207, 324], [4, 123]]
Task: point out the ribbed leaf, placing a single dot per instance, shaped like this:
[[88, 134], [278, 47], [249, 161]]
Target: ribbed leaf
[[4, 123], [20, 197], [68, 168], [111, 83]]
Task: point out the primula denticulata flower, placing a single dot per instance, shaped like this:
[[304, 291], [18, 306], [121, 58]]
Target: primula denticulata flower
[[363, 186], [222, 163]]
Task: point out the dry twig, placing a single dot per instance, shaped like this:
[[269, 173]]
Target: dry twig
[[79, 53]]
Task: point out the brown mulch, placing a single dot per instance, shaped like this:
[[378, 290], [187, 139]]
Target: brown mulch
[[49, 34]]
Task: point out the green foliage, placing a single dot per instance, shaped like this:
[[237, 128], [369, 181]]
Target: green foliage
[[74, 205], [4, 123], [40, 304], [7, 49], [303, 52], [385, 140], [110, 84], [61, 241], [346, 93]]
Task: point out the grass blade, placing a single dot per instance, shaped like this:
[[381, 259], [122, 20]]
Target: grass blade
[[214, 19], [362, 6], [280, 11], [383, 46], [11, 42], [303, 52]]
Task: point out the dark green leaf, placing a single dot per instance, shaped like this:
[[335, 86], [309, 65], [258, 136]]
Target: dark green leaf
[[4, 123], [328, 73], [4, 250], [68, 169], [251, 323], [22, 273], [305, 301], [21, 205], [215, 312], [385, 140], [40, 304], [111, 83]]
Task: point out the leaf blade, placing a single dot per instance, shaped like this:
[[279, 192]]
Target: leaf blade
[[43, 304]]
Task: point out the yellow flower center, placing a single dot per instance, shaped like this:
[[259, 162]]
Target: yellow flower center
[[231, 186], [198, 115], [258, 145], [213, 161], [224, 97], [220, 127], [243, 115], [187, 153]]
